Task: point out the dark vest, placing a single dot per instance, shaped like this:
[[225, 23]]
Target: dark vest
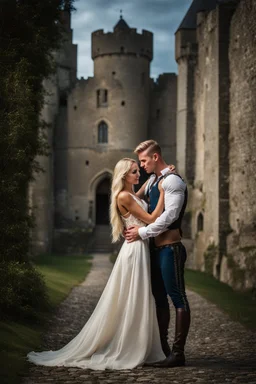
[[153, 196]]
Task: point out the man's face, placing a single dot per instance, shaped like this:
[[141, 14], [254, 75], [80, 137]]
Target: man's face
[[147, 162]]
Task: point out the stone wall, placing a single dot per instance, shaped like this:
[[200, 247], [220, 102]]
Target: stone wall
[[75, 193], [225, 14], [239, 267], [223, 95], [41, 195], [41, 190], [205, 192], [185, 53], [162, 118]]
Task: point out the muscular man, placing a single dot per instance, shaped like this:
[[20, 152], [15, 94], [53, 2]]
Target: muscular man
[[168, 254]]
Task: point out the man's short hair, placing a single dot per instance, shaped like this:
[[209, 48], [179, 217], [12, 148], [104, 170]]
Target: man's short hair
[[151, 146]]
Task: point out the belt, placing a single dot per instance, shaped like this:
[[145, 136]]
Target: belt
[[178, 243]]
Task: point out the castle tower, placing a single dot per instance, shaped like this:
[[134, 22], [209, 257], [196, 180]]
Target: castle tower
[[122, 63], [186, 57], [107, 116], [202, 45], [162, 121]]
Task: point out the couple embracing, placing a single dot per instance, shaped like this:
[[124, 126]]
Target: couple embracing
[[129, 326]]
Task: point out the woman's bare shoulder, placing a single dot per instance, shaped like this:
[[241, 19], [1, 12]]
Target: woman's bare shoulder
[[123, 196]]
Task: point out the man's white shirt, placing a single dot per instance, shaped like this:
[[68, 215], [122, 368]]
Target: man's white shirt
[[174, 188]]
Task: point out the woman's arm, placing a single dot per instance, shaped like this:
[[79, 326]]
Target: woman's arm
[[127, 202]]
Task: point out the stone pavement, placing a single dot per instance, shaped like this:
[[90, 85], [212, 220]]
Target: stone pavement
[[218, 349]]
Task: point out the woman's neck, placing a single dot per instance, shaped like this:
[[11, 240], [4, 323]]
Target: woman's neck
[[128, 188]]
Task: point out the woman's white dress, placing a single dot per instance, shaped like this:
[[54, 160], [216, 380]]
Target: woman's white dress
[[122, 332]]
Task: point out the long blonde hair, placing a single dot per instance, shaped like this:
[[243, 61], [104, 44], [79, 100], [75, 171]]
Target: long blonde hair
[[121, 169]]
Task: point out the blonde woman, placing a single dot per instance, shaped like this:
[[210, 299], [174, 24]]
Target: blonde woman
[[122, 332]]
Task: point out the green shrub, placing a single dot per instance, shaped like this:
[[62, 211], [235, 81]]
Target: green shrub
[[22, 292]]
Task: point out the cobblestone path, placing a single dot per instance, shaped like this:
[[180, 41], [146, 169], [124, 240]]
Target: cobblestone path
[[218, 349]]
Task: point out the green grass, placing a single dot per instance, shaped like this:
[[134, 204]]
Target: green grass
[[62, 273], [16, 339], [15, 342], [240, 306]]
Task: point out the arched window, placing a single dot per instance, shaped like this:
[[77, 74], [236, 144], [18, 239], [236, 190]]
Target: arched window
[[200, 222], [102, 132]]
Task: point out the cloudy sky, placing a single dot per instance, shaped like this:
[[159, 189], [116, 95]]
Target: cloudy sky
[[162, 17]]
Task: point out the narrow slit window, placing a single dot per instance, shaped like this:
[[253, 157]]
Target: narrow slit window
[[102, 98], [98, 98], [102, 132], [105, 96], [200, 222]]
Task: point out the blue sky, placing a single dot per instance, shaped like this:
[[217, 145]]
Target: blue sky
[[162, 17]]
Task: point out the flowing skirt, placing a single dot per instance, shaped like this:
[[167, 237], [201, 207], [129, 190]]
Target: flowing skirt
[[122, 332]]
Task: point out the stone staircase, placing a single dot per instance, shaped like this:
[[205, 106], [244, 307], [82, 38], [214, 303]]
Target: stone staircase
[[101, 241]]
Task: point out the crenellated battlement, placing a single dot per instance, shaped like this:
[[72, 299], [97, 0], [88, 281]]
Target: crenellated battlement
[[122, 41], [164, 81]]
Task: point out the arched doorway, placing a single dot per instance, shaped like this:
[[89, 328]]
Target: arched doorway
[[102, 202]]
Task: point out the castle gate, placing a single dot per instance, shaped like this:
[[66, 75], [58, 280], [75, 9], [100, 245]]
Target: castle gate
[[102, 202]]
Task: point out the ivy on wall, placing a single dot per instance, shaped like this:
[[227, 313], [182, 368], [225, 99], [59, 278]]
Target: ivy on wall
[[29, 34]]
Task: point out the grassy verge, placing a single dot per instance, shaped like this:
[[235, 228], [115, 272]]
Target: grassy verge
[[62, 273], [16, 339], [240, 306]]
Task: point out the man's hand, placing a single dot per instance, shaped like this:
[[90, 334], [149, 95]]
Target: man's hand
[[132, 234], [172, 168]]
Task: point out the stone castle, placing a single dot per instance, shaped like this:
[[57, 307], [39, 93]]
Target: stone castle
[[203, 119], [96, 122]]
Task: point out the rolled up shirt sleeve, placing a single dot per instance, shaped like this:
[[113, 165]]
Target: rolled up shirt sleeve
[[174, 195]]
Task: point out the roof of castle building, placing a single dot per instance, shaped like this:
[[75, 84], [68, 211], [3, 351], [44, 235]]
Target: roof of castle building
[[121, 24], [189, 21]]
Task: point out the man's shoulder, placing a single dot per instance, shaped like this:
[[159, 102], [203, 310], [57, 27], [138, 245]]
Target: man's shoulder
[[174, 179], [168, 174]]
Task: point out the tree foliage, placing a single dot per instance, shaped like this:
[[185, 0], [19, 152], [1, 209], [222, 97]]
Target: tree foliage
[[30, 32]]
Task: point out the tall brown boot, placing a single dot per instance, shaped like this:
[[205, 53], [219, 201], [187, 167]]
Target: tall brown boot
[[177, 357], [163, 317], [181, 332]]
